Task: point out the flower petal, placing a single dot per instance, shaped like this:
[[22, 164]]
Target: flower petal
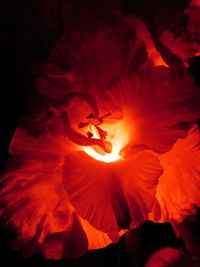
[[163, 257], [182, 47], [50, 144], [36, 207], [96, 238], [34, 203], [159, 104], [179, 186], [112, 196]]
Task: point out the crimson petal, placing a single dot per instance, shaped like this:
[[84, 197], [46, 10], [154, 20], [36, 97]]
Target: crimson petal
[[112, 196]]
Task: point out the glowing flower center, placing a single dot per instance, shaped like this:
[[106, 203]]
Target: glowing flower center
[[118, 136]]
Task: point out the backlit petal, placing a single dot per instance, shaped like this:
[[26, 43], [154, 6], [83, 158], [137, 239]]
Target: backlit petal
[[35, 205], [160, 106], [179, 186], [112, 196]]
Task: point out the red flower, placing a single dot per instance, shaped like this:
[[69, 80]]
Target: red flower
[[100, 163]]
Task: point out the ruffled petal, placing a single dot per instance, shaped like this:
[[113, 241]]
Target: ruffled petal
[[112, 196], [35, 205], [145, 36], [97, 239], [160, 106], [179, 186], [183, 47]]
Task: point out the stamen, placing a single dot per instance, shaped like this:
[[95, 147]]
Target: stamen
[[93, 120], [103, 134], [105, 115], [81, 139], [90, 116]]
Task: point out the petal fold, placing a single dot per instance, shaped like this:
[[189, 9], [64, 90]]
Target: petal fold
[[112, 196], [179, 186]]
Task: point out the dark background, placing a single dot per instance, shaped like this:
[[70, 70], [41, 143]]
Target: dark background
[[21, 44]]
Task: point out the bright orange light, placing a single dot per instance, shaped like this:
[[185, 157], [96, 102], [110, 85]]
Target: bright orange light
[[118, 135]]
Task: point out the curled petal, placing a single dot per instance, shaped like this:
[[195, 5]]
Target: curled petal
[[179, 186], [97, 239], [144, 35], [182, 47]]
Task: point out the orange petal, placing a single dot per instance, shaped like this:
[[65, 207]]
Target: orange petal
[[179, 186], [36, 207], [96, 238], [160, 105]]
